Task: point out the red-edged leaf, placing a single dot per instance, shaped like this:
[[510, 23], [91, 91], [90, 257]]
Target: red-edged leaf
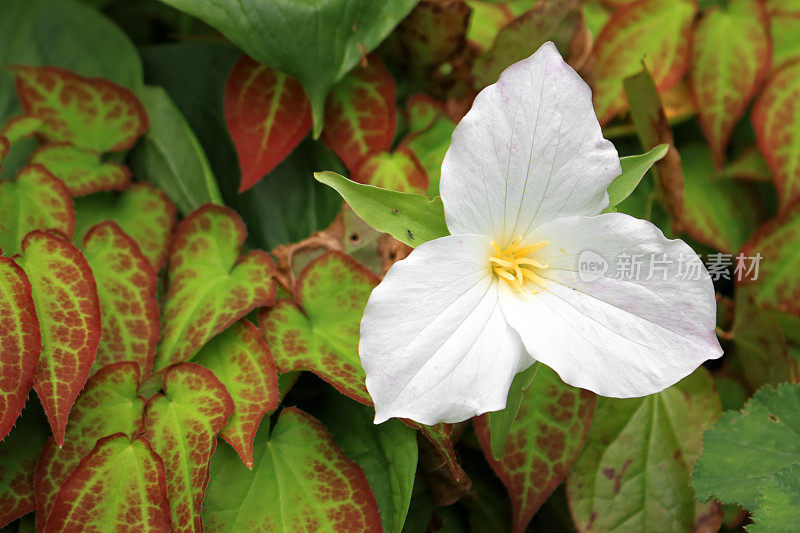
[[210, 285], [19, 127], [360, 114], [119, 486], [20, 342], [5, 146], [319, 332], [545, 439], [87, 112], [241, 360], [656, 31], [144, 212], [81, 169], [36, 200], [398, 171], [776, 118], [434, 32], [777, 285], [127, 288], [110, 403], [69, 316], [422, 111], [268, 114], [18, 454], [784, 18], [731, 54], [301, 481], [182, 426]]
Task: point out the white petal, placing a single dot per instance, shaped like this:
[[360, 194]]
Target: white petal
[[434, 342], [612, 335], [530, 150]]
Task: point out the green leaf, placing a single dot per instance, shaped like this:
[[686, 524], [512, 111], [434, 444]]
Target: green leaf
[[784, 18], [430, 146], [320, 331], [777, 502], [142, 211], [500, 421], [289, 36], [81, 169], [63, 33], [410, 218], [635, 467], [210, 285], [241, 360], [170, 156], [387, 453], [20, 127], [398, 171], [120, 482], [291, 486], [633, 170], [182, 426], [545, 438], [744, 448]]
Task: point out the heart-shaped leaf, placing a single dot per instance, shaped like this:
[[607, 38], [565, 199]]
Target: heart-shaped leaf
[[301, 481], [319, 331], [144, 212], [87, 112], [81, 169], [656, 31], [635, 468], [20, 342], [241, 360], [545, 438], [69, 317], [360, 114], [36, 200], [182, 426], [110, 403], [397, 171], [730, 57], [776, 118], [289, 36], [267, 113], [210, 285], [127, 288], [120, 484]]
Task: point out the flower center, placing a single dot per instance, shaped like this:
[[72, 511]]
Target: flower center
[[514, 266]]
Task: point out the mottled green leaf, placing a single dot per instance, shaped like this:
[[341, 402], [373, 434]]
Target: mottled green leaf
[[430, 145], [398, 171], [81, 169], [784, 18]]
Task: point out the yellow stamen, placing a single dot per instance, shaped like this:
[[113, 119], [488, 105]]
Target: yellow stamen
[[512, 265]]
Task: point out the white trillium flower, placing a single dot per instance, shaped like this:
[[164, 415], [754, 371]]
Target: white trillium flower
[[524, 185]]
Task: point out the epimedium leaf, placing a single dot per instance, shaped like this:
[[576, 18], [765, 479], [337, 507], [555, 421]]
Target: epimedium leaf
[[36, 200], [318, 59], [242, 361], [301, 481], [499, 422], [410, 218], [775, 245], [656, 31], [635, 468], [5, 148], [545, 439], [776, 119], [142, 211], [784, 21], [20, 342], [745, 447], [716, 211], [387, 453], [633, 170], [398, 171], [319, 331], [750, 165], [109, 404], [88, 112], [182, 427], [120, 484], [18, 454], [127, 289], [210, 285], [20, 127], [170, 156], [730, 57], [81, 169], [777, 502], [267, 114], [65, 296], [360, 114], [433, 33]]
